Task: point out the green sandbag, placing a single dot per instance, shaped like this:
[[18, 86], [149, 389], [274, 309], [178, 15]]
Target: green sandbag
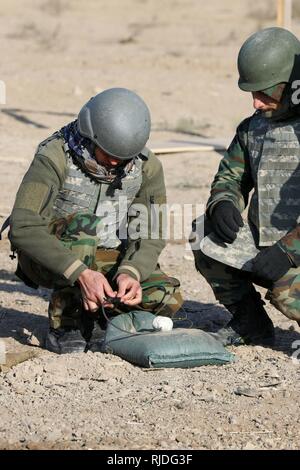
[[132, 337]]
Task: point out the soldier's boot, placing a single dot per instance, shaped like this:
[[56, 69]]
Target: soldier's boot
[[93, 331], [65, 340], [65, 310], [250, 323]]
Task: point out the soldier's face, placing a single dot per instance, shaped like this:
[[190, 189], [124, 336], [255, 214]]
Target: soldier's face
[[105, 159], [264, 102]]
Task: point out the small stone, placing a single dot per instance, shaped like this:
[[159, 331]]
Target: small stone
[[247, 392], [33, 340], [54, 435], [164, 382], [197, 390], [168, 389], [249, 446], [232, 419], [180, 405], [19, 389], [38, 379], [163, 444], [208, 397], [219, 389]]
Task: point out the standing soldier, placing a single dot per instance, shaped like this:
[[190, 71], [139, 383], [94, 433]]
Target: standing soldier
[[74, 201], [264, 156]]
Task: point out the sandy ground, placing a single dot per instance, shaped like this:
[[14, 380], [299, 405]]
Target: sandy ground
[[180, 56]]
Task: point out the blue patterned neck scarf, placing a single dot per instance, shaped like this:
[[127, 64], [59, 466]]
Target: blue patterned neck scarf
[[82, 146], [82, 151]]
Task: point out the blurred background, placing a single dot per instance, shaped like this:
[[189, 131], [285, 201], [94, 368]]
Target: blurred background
[[179, 55]]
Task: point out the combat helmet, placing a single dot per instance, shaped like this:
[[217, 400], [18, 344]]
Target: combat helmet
[[118, 121], [267, 58]]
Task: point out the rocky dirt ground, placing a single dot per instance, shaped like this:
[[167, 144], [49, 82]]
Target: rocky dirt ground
[[180, 56]]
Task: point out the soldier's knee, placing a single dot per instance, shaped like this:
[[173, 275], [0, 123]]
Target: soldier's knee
[[171, 303], [162, 295], [177, 300], [202, 262], [287, 302]]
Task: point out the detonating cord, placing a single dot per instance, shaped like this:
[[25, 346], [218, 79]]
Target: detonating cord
[[166, 297]]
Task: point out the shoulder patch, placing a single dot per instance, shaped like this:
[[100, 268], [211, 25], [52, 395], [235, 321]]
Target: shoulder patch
[[31, 196]]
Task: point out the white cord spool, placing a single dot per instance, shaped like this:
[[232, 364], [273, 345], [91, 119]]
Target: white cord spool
[[162, 323]]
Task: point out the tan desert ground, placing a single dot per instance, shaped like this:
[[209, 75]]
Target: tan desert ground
[[180, 56]]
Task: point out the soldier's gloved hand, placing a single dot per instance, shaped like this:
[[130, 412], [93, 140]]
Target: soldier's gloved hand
[[226, 221], [271, 263]]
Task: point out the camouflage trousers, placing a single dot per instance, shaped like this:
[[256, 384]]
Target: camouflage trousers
[[160, 293], [230, 285]]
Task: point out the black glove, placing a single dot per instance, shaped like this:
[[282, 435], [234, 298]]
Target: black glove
[[271, 263], [226, 221]]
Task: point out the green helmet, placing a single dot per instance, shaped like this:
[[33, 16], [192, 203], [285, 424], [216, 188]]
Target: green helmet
[[118, 121], [267, 58]]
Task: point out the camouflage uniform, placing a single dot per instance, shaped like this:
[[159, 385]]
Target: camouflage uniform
[[78, 233], [57, 234], [236, 177]]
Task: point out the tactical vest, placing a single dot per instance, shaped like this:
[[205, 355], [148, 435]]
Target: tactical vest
[[274, 151], [81, 193]]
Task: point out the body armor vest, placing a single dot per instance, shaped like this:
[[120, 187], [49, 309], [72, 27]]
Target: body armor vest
[[80, 193], [274, 151]]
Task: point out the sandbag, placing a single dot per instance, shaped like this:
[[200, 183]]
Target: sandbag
[[132, 337]]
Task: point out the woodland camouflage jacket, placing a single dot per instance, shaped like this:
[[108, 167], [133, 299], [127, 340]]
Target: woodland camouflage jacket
[[33, 212]]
